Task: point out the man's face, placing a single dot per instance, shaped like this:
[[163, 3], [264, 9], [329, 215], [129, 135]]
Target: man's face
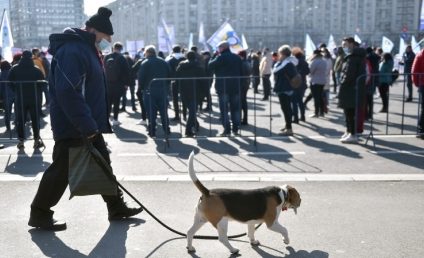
[[100, 35], [346, 44]]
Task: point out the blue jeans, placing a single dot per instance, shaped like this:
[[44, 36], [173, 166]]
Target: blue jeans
[[191, 121], [230, 103], [154, 102], [297, 103]]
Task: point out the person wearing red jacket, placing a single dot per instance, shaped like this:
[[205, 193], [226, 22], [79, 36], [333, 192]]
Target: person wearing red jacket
[[418, 79]]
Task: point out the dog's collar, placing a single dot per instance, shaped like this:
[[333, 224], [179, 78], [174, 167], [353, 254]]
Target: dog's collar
[[284, 194]]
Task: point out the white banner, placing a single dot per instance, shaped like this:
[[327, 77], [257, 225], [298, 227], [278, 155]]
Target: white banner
[[387, 45], [6, 39], [164, 39]]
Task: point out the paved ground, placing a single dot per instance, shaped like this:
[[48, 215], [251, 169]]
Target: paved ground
[[357, 200]]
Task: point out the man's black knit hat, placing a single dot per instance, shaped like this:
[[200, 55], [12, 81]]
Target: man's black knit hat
[[100, 21]]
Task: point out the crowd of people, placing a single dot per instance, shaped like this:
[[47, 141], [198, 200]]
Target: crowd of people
[[85, 86], [154, 84]]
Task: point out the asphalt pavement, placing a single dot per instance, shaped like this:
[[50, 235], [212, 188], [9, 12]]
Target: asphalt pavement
[[358, 200]]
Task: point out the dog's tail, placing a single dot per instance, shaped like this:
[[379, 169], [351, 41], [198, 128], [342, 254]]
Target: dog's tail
[[193, 176]]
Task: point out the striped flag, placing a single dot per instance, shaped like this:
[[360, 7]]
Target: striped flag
[[226, 32]]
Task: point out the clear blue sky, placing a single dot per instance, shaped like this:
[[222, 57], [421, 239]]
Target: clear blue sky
[[91, 6]]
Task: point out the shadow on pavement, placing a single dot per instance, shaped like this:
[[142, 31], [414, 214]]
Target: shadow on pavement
[[324, 147], [164, 243], [388, 150], [26, 165], [112, 244]]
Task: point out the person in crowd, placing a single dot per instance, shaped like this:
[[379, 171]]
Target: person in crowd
[[78, 112], [161, 55], [255, 61], [338, 67], [265, 71], [408, 60], [206, 58], [298, 94], [38, 61], [385, 80], [373, 60], [226, 64], [6, 93], [418, 79], [191, 90], [46, 66], [27, 97], [351, 89], [118, 79], [131, 86], [134, 69], [154, 92], [326, 90], [284, 70], [319, 76], [244, 86], [173, 60]]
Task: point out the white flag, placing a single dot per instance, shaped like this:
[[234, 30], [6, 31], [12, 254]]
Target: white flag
[[402, 46], [6, 39], [415, 46], [309, 46], [169, 35], [357, 39], [190, 41], [331, 44], [387, 45], [244, 42], [226, 32]]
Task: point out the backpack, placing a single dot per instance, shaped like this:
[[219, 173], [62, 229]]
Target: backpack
[[112, 68], [295, 81]]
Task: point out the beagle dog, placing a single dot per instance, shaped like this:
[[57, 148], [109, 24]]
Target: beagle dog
[[255, 206]]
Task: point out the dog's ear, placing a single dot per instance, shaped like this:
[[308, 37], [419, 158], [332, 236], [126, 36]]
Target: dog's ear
[[293, 197]]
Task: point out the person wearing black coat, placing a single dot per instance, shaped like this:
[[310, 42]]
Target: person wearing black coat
[[191, 90], [27, 97], [226, 64], [132, 77], [6, 93], [244, 85], [297, 99], [408, 60], [117, 77]]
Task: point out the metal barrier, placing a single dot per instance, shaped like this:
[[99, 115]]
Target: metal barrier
[[397, 122], [25, 97]]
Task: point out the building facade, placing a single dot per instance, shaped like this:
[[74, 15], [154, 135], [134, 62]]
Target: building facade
[[269, 23], [33, 21]]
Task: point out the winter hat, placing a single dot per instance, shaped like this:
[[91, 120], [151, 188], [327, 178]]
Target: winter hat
[[100, 21], [27, 54]]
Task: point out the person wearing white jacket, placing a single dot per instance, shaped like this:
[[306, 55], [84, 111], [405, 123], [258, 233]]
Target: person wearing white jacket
[[265, 71], [318, 74]]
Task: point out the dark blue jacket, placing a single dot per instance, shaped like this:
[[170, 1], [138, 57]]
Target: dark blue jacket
[[226, 64], [282, 76], [6, 92], [154, 68], [77, 86]]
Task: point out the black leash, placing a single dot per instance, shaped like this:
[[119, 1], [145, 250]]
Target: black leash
[[103, 164]]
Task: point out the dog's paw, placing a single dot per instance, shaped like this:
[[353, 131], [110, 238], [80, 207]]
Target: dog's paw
[[234, 251], [255, 243], [191, 249], [286, 240]]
